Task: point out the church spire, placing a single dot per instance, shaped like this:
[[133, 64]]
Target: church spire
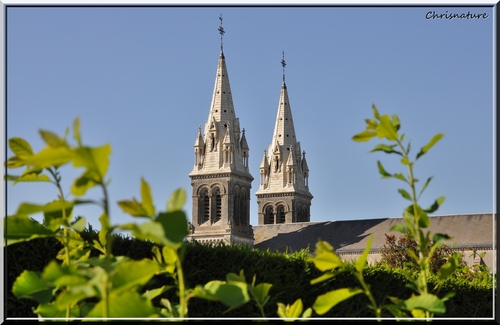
[[220, 179], [283, 195]]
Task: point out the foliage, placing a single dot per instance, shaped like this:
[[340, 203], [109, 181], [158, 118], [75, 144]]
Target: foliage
[[395, 253], [92, 277], [77, 284], [290, 279], [423, 303]]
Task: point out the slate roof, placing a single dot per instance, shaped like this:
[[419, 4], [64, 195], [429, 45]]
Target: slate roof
[[468, 230]]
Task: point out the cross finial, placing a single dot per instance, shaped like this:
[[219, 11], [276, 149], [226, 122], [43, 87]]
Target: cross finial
[[283, 64], [221, 32]]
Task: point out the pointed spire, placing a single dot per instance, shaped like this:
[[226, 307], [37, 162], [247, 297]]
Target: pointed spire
[[227, 137], [305, 168], [199, 139], [291, 158], [244, 144], [264, 164], [284, 131]]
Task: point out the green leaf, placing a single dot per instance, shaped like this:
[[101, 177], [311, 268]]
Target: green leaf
[[293, 311], [86, 181], [74, 295], [261, 291], [428, 302], [236, 278], [63, 275], [126, 304], [15, 162], [175, 226], [405, 161], [429, 145], [151, 294], [386, 130], [400, 227], [330, 299], [448, 296], [231, 294], [151, 230], [54, 219], [57, 205], [33, 177], [134, 208], [323, 246], [425, 185], [50, 310], [147, 199], [371, 124], [170, 258], [325, 261], [385, 148], [50, 157], [132, 273], [400, 176], [395, 122], [382, 171], [449, 267], [364, 136], [29, 285], [420, 216], [439, 237], [361, 261], [405, 194], [176, 200], [323, 277], [93, 159], [52, 139], [435, 205], [79, 224], [20, 147], [398, 313], [76, 130], [21, 228], [375, 112], [76, 245]]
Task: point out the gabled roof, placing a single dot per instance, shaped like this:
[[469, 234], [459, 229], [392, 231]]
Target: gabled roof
[[470, 230]]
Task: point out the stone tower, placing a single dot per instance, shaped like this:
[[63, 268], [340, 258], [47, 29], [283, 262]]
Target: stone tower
[[220, 178], [283, 195]]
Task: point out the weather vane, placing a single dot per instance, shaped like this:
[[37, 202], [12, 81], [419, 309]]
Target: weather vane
[[221, 32], [283, 64]]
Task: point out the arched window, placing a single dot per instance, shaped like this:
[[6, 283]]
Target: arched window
[[269, 216], [299, 213], [236, 207], [281, 214], [218, 203], [243, 208], [204, 204]]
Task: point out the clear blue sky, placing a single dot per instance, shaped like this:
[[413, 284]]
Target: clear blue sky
[[142, 80]]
